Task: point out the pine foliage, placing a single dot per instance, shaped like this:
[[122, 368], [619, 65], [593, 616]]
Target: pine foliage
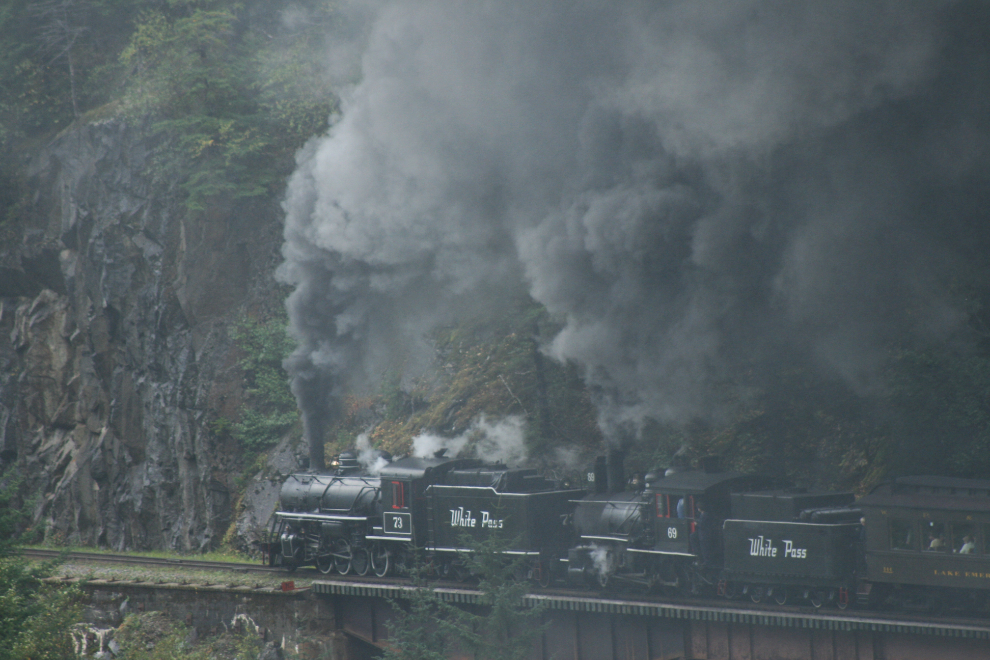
[[503, 628], [35, 618]]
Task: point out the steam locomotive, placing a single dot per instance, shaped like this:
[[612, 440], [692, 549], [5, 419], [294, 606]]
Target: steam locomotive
[[701, 531], [352, 522]]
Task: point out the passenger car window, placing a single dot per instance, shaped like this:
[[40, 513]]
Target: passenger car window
[[935, 537], [901, 534], [964, 539]]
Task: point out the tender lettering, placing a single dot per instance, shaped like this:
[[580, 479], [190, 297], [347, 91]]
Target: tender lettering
[[489, 522], [795, 553], [460, 517], [760, 547], [763, 547]]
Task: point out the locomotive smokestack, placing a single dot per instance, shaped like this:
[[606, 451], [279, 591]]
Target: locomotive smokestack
[[616, 471], [600, 472], [314, 433]]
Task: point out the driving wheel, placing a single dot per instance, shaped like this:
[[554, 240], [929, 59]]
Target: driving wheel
[[342, 556], [380, 560]]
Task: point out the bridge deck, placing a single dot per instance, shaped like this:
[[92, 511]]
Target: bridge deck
[[729, 613]]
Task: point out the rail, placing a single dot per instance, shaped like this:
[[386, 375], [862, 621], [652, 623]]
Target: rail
[[237, 567]]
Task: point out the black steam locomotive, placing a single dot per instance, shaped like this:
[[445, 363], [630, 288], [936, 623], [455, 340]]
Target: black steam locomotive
[[350, 522], [703, 531]]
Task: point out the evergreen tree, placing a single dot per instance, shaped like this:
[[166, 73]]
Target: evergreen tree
[[503, 628], [35, 618]]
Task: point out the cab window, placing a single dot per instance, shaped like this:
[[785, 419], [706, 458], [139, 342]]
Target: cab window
[[398, 495], [683, 506], [901, 535], [663, 506]]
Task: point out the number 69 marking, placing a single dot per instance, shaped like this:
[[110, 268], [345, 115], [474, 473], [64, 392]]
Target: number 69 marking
[[671, 532]]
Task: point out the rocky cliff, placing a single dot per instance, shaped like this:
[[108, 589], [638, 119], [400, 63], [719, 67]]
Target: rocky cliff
[[115, 356]]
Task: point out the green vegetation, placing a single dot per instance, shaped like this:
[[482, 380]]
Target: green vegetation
[[228, 90], [230, 101], [943, 397], [929, 414], [269, 408], [427, 627], [35, 618], [153, 636]]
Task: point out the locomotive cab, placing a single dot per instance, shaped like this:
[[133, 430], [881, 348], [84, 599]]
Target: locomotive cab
[[689, 508], [404, 486], [397, 496]]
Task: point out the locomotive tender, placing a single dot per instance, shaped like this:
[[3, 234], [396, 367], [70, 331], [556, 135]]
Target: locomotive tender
[[704, 531]]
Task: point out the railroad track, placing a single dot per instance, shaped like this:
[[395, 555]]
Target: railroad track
[[133, 560]]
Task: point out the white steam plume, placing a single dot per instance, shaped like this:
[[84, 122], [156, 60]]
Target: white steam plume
[[500, 441], [369, 457]]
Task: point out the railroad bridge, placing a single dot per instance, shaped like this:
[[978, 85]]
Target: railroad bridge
[[604, 628]]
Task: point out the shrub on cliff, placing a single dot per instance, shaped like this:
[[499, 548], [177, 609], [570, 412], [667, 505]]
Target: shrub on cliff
[[35, 618], [269, 409], [232, 93], [154, 636]]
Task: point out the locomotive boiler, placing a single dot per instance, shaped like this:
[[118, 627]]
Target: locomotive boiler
[[323, 519]]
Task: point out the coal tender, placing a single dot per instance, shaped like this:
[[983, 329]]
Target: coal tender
[[782, 544], [528, 513]]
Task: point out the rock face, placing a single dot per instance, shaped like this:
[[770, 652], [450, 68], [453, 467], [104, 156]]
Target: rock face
[[114, 351]]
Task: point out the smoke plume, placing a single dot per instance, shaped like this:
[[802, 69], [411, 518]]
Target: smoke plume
[[693, 187]]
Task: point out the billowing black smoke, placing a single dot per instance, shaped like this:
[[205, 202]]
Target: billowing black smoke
[[694, 187]]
